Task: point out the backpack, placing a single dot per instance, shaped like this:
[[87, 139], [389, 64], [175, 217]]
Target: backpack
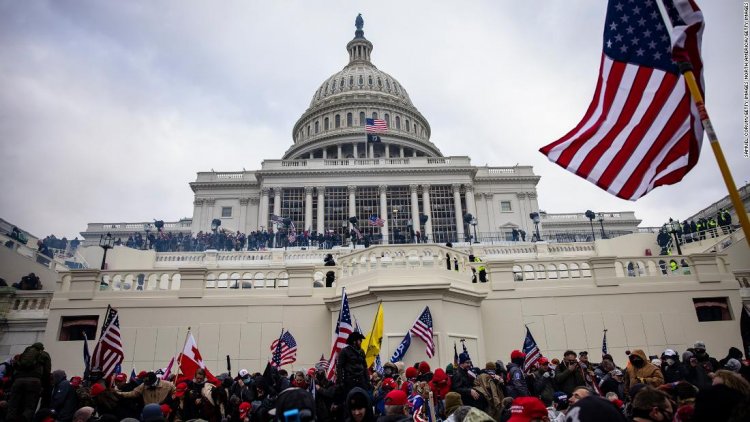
[[30, 358]]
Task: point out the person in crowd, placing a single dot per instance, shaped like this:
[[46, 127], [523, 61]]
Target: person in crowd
[[153, 390], [396, 407], [516, 385], [569, 374], [708, 362], [579, 393], [32, 371], [351, 368], [613, 382], [528, 409], [671, 367], [359, 408], [556, 411], [641, 371], [594, 409], [543, 378], [425, 372], [64, 401], [490, 394], [462, 381], [651, 404], [386, 386]]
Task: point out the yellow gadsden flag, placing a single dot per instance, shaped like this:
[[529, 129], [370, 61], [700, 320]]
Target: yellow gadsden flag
[[371, 343]]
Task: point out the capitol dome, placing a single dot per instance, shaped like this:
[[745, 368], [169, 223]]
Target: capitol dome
[[333, 126]]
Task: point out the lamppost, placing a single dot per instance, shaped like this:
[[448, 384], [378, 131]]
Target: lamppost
[[601, 223], [675, 225], [534, 216], [106, 243], [591, 215]]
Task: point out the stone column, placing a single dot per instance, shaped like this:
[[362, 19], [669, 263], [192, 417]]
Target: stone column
[[401, 152], [308, 208], [263, 208], [325, 153], [427, 210], [387, 151], [352, 202], [209, 204], [321, 207], [312, 155], [414, 153], [243, 215], [533, 206], [340, 155], [276, 205], [197, 215], [384, 212], [459, 213], [471, 206], [372, 150], [254, 206], [354, 147], [414, 208], [490, 202], [523, 210]]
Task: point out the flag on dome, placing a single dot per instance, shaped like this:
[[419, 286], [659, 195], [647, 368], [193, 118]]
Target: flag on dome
[[422, 328], [284, 350], [531, 350], [375, 126], [341, 333], [108, 352], [641, 129]]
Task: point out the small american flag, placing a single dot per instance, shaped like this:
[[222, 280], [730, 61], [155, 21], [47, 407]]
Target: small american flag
[[108, 352], [423, 329], [375, 126], [284, 350], [341, 334], [531, 350], [322, 363], [641, 130], [376, 221]]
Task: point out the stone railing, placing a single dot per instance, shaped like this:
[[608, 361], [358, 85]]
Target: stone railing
[[244, 259], [402, 257], [24, 304], [32, 254], [411, 162]]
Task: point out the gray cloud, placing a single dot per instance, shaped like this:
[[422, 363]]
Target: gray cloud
[[108, 109]]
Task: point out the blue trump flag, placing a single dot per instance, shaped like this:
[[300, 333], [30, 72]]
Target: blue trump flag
[[400, 351]]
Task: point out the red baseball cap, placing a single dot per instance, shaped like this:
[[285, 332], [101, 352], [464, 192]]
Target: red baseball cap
[[121, 377], [97, 389], [411, 372], [543, 361], [180, 390], [245, 407], [396, 398], [166, 410], [517, 354], [524, 409], [141, 375], [389, 383], [75, 382]]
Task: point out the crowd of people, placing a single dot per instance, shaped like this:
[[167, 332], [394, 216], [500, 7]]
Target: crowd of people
[[694, 230], [692, 387]]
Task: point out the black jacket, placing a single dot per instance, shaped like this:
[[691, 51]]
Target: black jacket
[[462, 383], [369, 414], [516, 385], [64, 401], [568, 379], [351, 369]]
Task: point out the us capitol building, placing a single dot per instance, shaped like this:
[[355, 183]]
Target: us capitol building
[[237, 302]]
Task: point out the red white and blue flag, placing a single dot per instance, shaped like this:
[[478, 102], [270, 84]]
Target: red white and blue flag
[[531, 350], [375, 126], [108, 352], [341, 334], [376, 221], [641, 129], [284, 350], [423, 329]]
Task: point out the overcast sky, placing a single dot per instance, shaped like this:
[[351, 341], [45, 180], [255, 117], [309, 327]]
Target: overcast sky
[[109, 108]]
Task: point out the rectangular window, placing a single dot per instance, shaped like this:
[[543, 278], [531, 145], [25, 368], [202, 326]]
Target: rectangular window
[[226, 211], [73, 327], [399, 210], [712, 309], [336, 210], [367, 201], [443, 214], [505, 206]]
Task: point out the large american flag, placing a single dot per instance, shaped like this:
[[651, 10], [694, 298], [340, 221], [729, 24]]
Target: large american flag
[[341, 334], [641, 129], [375, 126], [422, 328], [531, 350], [284, 350], [376, 221], [108, 353]]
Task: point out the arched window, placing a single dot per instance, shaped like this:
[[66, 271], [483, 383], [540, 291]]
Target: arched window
[[317, 127], [387, 119], [361, 80], [349, 120], [387, 85], [325, 123], [341, 84], [369, 80], [361, 118], [415, 128], [351, 81], [407, 125], [398, 122], [380, 83], [374, 114], [338, 121], [308, 131]]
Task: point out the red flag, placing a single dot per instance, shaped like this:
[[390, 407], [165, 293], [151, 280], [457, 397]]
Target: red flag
[[190, 359], [641, 130]]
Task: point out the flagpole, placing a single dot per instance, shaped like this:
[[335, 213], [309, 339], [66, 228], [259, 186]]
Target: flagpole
[[179, 362], [686, 68]]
